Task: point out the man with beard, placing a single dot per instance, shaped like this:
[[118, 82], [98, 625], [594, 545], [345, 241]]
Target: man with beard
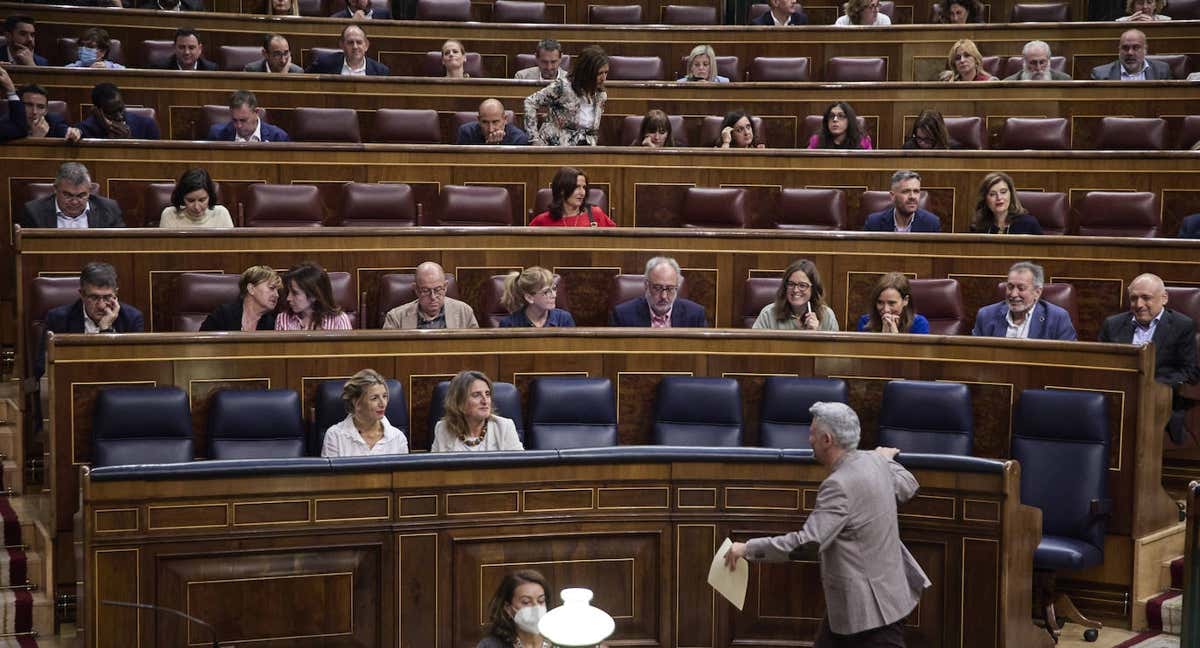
[[1036, 65]]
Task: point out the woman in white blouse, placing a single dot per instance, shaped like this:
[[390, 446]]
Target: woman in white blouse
[[470, 423], [365, 430], [862, 12]]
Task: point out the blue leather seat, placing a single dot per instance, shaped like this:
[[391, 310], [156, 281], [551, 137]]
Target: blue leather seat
[[927, 417], [690, 411], [783, 418], [329, 410], [571, 413], [139, 425], [255, 424], [506, 402]]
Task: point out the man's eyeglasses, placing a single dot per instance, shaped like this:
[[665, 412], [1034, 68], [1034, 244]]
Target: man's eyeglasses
[[660, 289], [96, 299], [280, 54], [430, 292]]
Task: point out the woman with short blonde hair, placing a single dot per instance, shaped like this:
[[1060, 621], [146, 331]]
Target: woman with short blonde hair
[[254, 309], [702, 65]]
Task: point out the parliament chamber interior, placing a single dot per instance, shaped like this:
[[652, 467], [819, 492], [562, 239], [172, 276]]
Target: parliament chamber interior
[[177, 472]]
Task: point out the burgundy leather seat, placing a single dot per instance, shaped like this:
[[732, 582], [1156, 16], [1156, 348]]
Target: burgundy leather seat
[[756, 293], [431, 65], [470, 116], [344, 295], [68, 50], [1189, 133], [710, 130], [635, 68], [1050, 208], [1132, 134], [156, 53], [518, 11], [493, 297], [406, 126], [1186, 300], [473, 206], [780, 68], [714, 207], [614, 14], [234, 58], [281, 205], [197, 294], [969, 131], [1036, 133], [1179, 63], [624, 287], [812, 126], [632, 125], [1119, 213], [1014, 64], [157, 197], [729, 67], [1185, 9], [888, 7], [378, 205], [941, 302], [45, 293], [848, 69], [397, 289], [755, 10], [811, 209], [993, 66], [1062, 295], [689, 15], [1041, 12], [452, 10], [58, 107], [543, 198], [873, 200], [326, 125]]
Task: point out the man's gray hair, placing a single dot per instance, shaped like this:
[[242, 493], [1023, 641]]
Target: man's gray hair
[[840, 420], [98, 274], [1039, 275], [549, 45], [73, 173], [1035, 44], [659, 260], [904, 174]]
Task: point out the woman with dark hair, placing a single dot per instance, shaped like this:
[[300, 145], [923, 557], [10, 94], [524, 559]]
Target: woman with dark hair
[[194, 203], [929, 132], [516, 608], [737, 131], [892, 310], [839, 130], [799, 303], [94, 45], [454, 60], [999, 210], [530, 298], [365, 431], [567, 207], [254, 310], [310, 301], [655, 131], [573, 105], [470, 423], [959, 12]]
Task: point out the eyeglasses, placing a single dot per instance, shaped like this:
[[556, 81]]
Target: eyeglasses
[[802, 287], [96, 299], [546, 292], [430, 292], [660, 289], [280, 54], [837, 116]]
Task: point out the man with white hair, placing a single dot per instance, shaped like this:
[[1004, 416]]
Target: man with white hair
[[870, 579], [1035, 65], [661, 307]]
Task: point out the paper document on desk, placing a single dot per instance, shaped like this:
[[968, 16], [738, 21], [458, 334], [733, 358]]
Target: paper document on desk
[[731, 584]]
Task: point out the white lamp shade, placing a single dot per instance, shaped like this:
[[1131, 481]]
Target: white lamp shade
[[576, 623]]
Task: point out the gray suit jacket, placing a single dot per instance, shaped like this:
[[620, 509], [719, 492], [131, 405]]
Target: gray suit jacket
[[1055, 75], [870, 579], [458, 316], [261, 66], [1157, 71]]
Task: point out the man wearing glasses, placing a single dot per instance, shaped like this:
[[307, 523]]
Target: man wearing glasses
[[72, 206], [96, 311], [661, 306], [432, 308], [277, 57]]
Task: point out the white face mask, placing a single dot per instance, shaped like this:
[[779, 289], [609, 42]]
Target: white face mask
[[527, 618]]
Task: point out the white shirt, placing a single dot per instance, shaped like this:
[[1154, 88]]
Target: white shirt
[[1144, 335], [256, 136], [68, 222], [343, 440], [881, 19], [904, 228], [359, 71], [778, 22], [1021, 330], [587, 114], [89, 326], [1140, 76], [501, 435]]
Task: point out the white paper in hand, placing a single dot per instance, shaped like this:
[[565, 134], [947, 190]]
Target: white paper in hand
[[731, 584]]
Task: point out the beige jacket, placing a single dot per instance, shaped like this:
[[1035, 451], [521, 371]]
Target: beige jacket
[[458, 316]]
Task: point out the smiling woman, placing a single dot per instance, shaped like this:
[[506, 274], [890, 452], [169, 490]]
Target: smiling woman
[[470, 423]]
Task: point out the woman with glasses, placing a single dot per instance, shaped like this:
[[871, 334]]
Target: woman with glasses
[[799, 303], [568, 207], [965, 63], [862, 12], [840, 130], [530, 297], [737, 132], [929, 133]]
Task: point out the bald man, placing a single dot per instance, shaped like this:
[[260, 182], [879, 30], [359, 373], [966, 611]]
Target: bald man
[[491, 128], [432, 309], [1131, 63], [352, 60]]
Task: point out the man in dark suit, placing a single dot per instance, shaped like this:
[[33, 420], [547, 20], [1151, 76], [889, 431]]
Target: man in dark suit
[[109, 120], [1190, 227], [362, 10], [20, 33], [189, 53], [659, 308], [783, 12], [244, 124], [904, 215], [96, 311], [42, 122], [277, 57], [1024, 314], [352, 61], [1131, 63], [72, 206], [491, 127], [1174, 337], [15, 124]]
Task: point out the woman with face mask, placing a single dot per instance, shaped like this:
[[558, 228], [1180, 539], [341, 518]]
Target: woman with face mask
[[516, 608], [94, 44]]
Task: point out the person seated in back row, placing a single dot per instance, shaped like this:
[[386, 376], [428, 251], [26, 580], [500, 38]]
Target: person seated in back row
[[189, 53], [491, 128], [661, 306], [254, 309], [352, 60], [530, 297], [94, 45], [363, 10], [276, 57], [782, 14], [904, 215], [1131, 63], [568, 206], [96, 311], [892, 309], [20, 35], [470, 423], [432, 309], [1023, 313], [109, 119], [244, 124], [72, 205], [194, 204], [548, 55], [1035, 64], [999, 209]]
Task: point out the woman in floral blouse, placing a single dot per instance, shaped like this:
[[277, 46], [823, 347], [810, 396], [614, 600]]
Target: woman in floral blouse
[[573, 105]]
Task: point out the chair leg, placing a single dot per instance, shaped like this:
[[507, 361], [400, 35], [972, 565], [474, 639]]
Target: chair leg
[[1065, 607], [1044, 602]]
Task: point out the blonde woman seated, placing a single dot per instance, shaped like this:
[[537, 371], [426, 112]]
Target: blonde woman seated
[[799, 303], [365, 431], [862, 12], [530, 297], [254, 309], [470, 424], [454, 60], [194, 203], [1144, 11], [965, 63], [283, 7], [702, 65]]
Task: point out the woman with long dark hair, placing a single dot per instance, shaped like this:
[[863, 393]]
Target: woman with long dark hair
[[998, 209], [568, 208], [892, 308], [470, 422], [840, 130], [515, 610], [310, 301], [573, 105]]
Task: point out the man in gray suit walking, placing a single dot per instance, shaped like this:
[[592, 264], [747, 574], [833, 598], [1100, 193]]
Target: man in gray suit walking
[[871, 582]]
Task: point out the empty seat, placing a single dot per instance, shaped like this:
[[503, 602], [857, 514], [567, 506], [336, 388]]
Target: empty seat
[[329, 410], [631, 126], [1185, 9], [927, 417], [1189, 134], [714, 207], [1062, 295], [635, 68], [1179, 63], [544, 196], [518, 11], [527, 60], [1186, 300], [970, 132], [1119, 213], [280, 205], [615, 14], [710, 130], [1132, 134], [729, 67], [325, 125], [378, 205], [757, 292], [143, 111], [888, 8], [845, 69], [68, 50], [694, 411], [784, 419], [199, 293], [624, 287], [506, 402], [397, 289], [993, 66], [780, 68], [811, 209], [141, 425], [941, 302], [570, 412], [1041, 12], [755, 10], [1049, 208], [1036, 133], [453, 10], [406, 126], [1014, 64], [431, 65], [689, 15], [234, 58], [156, 53], [473, 206], [344, 295], [322, 52], [255, 424]]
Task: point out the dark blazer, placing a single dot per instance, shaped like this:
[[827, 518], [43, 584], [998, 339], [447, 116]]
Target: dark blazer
[[1174, 344], [15, 124], [556, 318], [1158, 70], [225, 133], [1049, 322], [1019, 224], [884, 221], [261, 66], [203, 65], [58, 125], [37, 58], [377, 14], [228, 317], [139, 127], [798, 18], [186, 5], [68, 318], [102, 213], [636, 312], [1190, 227], [472, 133], [332, 64]]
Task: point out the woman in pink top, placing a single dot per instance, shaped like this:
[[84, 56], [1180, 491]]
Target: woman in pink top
[[840, 130], [310, 301]]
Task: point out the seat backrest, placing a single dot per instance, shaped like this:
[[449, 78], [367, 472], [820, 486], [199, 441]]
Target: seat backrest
[[631, 125], [1179, 63], [518, 11], [281, 205], [635, 68], [845, 69], [571, 412], [614, 14], [729, 67], [710, 130], [780, 68], [234, 58], [1132, 134], [544, 196], [378, 205], [199, 293], [1185, 9], [461, 117], [1041, 12], [1186, 300], [971, 132], [992, 65], [624, 287], [941, 302], [58, 107], [1119, 213], [143, 111], [714, 207], [811, 209], [45, 293], [344, 295], [156, 53], [406, 126], [1050, 208], [1062, 295], [689, 15], [874, 200], [1036, 133], [1014, 64], [255, 424], [325, 125], [927, 417], [698, 411], [1044, 446], [783, 417], [1189, 132], [453, 10], [755, 10], [396, 289], [431, 65], [506, 402], [141, 425], [757, 292], [473, 206], [329, 410]]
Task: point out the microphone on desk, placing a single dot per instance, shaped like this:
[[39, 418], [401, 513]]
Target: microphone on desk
[[159, 608]]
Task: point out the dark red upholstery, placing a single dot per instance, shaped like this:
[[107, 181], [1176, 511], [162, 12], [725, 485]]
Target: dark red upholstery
[[526, 60], [493, 300], [1048, 207], [780, 68], [215, 115], [941, 302], [321, 52], [888, 7], [431, 66], [1119, 213], [992, 65], [156, 53], [68, 50], [811, 209], [689, 15], [635, 68], [729, 67], [543, 197], [45, 293], [157, 197], [756, 293], [1185, 9], [397, 289], [873, 201], [1179, 63], [312, 8], [453, 10], [473, 206], [518, 11], [325, 125], [1036, 133], [234, 58], [1041, 12], [58, 107], [1062, 295], [197, 294], [406, 126], [856, 68], [627, 286], [632, 125], [1189, 133], [344, 295], [710, 130], [378, 205], [971, 132], [1132, 134], [756, 10], [281, 205], [614, 14], [714, 207], [1186, 300], [1014, 64]]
